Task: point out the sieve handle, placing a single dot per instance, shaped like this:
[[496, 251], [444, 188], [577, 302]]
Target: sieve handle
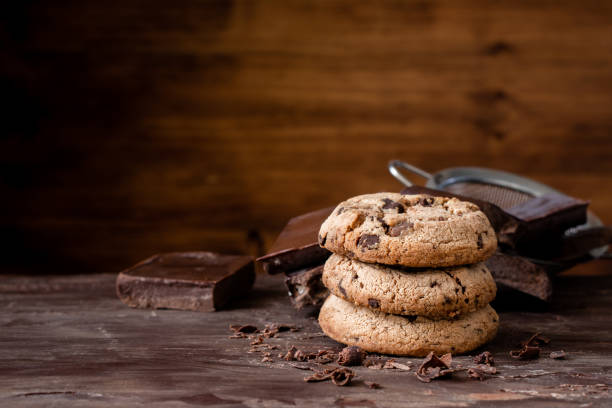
[[394, 166]]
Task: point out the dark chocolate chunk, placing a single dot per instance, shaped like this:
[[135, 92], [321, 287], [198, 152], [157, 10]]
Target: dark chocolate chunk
[[351, 356], [435, 367], [433, 284], [199, 281], [297, 246], [558, 355], [397, 229], [341, 289], [368, 241], [484, 358], [513, 273], [479, 244], [373, 303], [306, 288], [426, 201], [390, 204]]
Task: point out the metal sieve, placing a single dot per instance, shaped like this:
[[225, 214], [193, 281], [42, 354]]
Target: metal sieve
[[501, 188]]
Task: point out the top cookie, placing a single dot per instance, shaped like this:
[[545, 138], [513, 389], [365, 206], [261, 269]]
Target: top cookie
[[409, 230]]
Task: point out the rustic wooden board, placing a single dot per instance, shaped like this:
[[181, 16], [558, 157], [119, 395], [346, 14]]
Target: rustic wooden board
[[149, 126], [69, 341]]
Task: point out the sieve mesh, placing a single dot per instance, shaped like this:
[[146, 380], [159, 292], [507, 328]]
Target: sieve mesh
[[503, 197]]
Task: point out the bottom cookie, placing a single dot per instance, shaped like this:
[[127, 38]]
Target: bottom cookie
[[379, 332]]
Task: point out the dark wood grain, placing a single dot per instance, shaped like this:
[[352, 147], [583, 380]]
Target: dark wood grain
[[140, 127], [69, 341]]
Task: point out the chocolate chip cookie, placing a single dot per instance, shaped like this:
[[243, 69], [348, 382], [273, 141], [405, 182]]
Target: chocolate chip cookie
[[433, 293], [379, 332], [409, 230]]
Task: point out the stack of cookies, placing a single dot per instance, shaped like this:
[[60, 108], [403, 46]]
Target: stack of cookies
[[407, 275]]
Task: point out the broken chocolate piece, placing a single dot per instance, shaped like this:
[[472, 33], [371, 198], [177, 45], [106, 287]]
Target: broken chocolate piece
[[558, 355], [198, 281], [306, 288], [297, 246], [484, 358], [351, 356], [392, 364], [516, 273], [435, 367], [247, 328]]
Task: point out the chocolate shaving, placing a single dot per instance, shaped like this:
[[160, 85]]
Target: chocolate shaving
[[290, 356], [435, 367], [339, 376], [372, 385], [526, 353], [351, 356], [392, 364], [484, 358], [558, 355], [536, 340]]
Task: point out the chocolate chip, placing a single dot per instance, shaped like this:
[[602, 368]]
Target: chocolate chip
[[466, 300], [390, 205], [410, 318], [447, 300], [322, 240], [479, 242], [399, 228], [384, 224], [426, 201], [341, 289], [351, 356], [484, 358], [340, 211], [558, 355], [373, 303], [433, 284], [368, 241]]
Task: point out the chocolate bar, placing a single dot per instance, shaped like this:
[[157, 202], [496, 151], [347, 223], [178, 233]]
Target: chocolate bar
[[198, 281], [520, 274], [297, 246], [306, 288]]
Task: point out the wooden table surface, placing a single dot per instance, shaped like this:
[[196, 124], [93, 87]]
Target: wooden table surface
[[68, 341]]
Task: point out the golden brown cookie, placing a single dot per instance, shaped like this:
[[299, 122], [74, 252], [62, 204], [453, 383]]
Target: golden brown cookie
[[409, 230], [433, 293], [379, 332]]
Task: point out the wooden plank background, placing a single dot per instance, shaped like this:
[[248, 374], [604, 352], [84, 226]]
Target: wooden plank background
[[142, 126]]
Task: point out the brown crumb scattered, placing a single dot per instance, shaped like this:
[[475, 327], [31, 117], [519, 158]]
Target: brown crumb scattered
[[526, 353], [558, 355], [372, 385], [340, 376], [435, 367], [484, 358], [266, 360], [351, 356], [272, 329], [258, 340], [290, 354]]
